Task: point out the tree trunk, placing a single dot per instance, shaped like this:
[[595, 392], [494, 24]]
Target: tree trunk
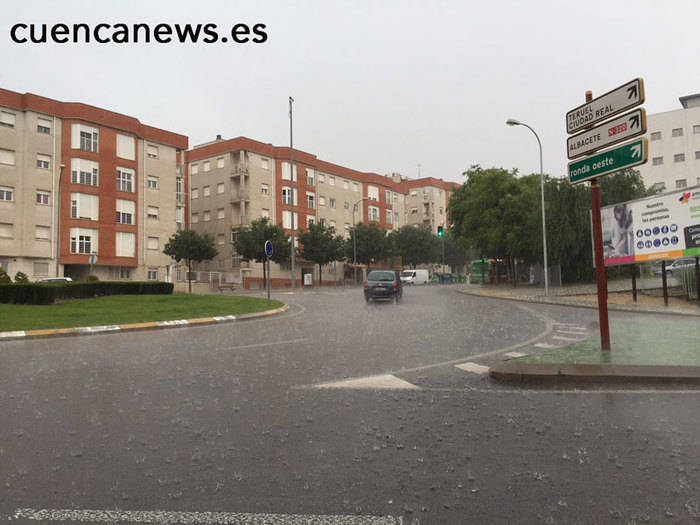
[[320, 277], [189, 276], [264, 276]]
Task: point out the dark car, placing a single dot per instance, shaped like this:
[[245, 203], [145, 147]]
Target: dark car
[[383, 284]]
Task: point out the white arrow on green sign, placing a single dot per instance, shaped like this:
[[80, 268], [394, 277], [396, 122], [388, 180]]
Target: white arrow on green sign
[[626, 156]]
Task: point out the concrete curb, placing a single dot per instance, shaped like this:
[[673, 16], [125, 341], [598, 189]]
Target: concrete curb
[[131, 327], [579, 304], [514, 371]]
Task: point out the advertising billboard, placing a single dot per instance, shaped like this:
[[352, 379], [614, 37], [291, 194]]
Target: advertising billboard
[[664, 226]]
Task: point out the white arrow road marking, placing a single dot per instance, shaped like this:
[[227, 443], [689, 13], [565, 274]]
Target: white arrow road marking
[[158, 516], [636, 150], [546, 345], [473, 367], [379, 382]]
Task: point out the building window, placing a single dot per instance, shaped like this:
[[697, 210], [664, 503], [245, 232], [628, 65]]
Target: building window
[[152, 243], [264, 163], [309, 176], [677, 132], [195, 193], [152, 212], [84, 137], [42, 197], [697, 155], [414, 211], [41, 269], [206, 216], [681, 183], [331, 180], [126, 244], [310, 219], [6, 230], [679, 157], [346, 205], [657, 161], [265, 213], [355, 187], [388, 216], [152, 151], [43, 125], [220, 213], [206, 191], [125, 180], [387, 196], [84, 172], [43, 161], [331, 203], [152, 274], [152, 182], [287, 196], [265, 189], [7, 119], [206, 166], [220, 162], [126, 147], [124, 272], [7, 156], [194, 169], [83, 240], [126, 211], [414, 193], [310, 200], [179, 189], [332, 224], [346, 227], [220, 238], [396, 217], [285, 172], [373, 193], [179, 216], [440, 211], [287, 220], [195, 218], [84, 206], [346, 184], [656, 135], [220, 188], [41, 233], [373, 213], [321, 200], [321, 178]]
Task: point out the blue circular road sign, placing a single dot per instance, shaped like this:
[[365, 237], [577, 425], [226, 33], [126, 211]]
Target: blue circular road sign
[[268, 249]]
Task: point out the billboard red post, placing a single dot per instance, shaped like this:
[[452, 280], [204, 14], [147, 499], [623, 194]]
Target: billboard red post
[[599, 260]]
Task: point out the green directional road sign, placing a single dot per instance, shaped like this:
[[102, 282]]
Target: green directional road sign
[[626, 156]]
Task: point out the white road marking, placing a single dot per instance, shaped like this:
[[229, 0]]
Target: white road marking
[[546, 345], [16, 333], [570, 325], [473, 367], [256, 345], [178, 322], [514, 354], [379, 382], [562, 338], [96, 329], [158, 516], [524, 392], [559, 331]]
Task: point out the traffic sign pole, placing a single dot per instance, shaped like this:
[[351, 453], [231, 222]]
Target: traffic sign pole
[[599, 259]]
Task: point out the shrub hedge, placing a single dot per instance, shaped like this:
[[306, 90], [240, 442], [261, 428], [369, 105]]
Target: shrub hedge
[[47, 293]]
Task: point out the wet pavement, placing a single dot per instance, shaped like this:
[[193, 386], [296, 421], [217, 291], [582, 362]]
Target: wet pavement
[[338, 408]]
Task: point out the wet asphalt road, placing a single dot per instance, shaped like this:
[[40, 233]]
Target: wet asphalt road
[[228, 418]]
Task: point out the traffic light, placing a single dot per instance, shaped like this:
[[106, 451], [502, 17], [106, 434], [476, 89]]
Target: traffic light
[[439, 231]]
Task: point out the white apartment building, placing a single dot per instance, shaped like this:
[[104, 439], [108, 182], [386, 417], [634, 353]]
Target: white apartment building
[[674, 147]]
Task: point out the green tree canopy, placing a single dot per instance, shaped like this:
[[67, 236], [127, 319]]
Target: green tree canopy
[[190, 246], [320, 245], [415, 244], [250, 240], [371, 243]]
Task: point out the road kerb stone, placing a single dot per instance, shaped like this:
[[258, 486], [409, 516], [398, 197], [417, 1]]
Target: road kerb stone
[[130, 327]]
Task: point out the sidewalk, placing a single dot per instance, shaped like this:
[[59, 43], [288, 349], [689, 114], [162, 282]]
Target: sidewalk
[[641, 349]]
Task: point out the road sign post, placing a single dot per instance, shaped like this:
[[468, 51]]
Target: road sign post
[[268, 254]]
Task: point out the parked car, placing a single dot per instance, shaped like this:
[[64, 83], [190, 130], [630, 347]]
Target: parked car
[[673, 269], [383, 284], [415, 277], [56, 280]]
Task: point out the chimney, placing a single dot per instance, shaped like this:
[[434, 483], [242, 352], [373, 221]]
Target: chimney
[[218, 137]]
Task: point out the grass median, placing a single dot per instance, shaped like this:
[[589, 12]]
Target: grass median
[[123, 309]]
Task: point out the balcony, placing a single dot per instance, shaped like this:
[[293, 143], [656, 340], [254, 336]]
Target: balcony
[[240, 194], [240, 220], [179, 198], [239, 170]]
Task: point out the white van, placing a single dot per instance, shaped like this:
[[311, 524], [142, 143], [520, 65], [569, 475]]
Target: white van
[[415, 277]]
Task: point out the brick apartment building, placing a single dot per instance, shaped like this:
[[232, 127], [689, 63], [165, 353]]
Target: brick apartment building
[[77, 180], [236, 181]]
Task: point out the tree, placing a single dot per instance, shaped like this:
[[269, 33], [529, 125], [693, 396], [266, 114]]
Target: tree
[[320, 244], [371, 243], [250, 240], [192, 247], [416, 245]]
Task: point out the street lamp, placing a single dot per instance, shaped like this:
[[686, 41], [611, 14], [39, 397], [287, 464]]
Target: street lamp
[[354, 238], [293, 188], [513, 122], [58, 219]]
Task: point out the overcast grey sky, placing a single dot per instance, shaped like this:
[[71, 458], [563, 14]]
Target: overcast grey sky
[[378, 86]]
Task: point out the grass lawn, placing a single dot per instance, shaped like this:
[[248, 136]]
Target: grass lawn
[[672, 341], [122, 309]]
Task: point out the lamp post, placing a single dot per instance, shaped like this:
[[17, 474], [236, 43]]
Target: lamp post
[[354, 239], [513, 122], [58, 219], [291, 202]]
